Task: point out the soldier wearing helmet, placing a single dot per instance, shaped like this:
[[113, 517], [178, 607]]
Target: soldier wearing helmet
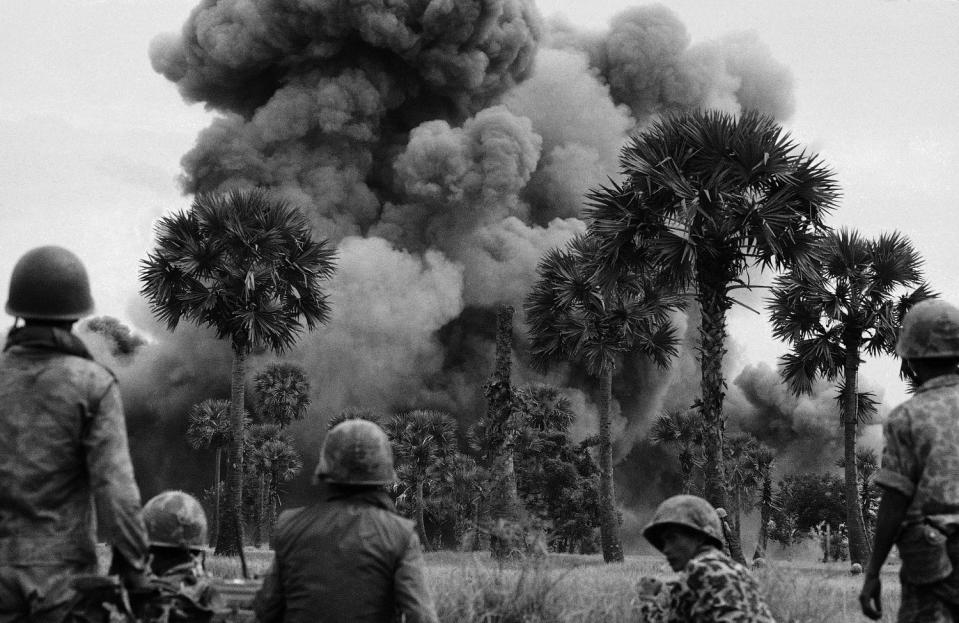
[[711, 586], [919, 509], [177, 531], [63, 447], [348, 557]]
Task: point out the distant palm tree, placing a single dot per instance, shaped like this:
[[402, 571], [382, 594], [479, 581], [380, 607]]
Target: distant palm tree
[[277, 461], [257, 481], [763, 459], [709, 196], [851, 304], [283, 393], [867, 465], [684, 430], [547, 408], [742, 477], [209, 426], [573, 318], [246, 266], [423, 440]]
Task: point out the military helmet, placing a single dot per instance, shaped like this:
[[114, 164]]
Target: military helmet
[[356, 452], [930, 330], [689, 511], [175, 519], [49, 283]]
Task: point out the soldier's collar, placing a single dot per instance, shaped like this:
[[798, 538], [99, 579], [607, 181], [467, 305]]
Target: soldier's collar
[[47, 338], [940, 381]]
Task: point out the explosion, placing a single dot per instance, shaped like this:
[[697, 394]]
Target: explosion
[[443, 146]]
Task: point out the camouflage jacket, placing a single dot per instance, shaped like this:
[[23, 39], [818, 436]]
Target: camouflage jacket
[[347, 559], [711, 588], [63, 445], [921, 454]]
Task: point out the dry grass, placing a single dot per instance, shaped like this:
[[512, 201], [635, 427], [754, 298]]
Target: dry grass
[[472, 588]]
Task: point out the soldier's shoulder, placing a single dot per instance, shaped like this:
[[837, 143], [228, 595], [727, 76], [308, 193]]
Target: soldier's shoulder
[[95, 371], [283, 522]]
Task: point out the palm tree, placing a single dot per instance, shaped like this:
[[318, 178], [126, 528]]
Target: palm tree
[[573, 318], [422, 442], [743, 479], [867, 465], [208, 426], [283, 393], [257, 482], [684, 430], [708, 196], [763, 459], [502, 513], [851, 304], [246, 266], [277, 461], [545, 408]]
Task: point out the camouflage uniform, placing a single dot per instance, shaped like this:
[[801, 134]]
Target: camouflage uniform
[[711, 588], [184, 594], [63, 444], [921, 460]]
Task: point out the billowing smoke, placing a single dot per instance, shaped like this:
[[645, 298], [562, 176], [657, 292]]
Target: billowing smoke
[[443, 146], [805, 431]]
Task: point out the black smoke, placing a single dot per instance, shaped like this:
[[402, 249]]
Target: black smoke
[[443, 146]]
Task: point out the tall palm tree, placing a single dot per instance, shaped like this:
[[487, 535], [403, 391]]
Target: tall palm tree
[[277, 461], [851, 304], [763, 459], [684, 430], [423, 440], [208, 426], [743, 479], [546, 408], [707, 197], [573, 318], [867, 465], [257, 481], [246, 266], [283, 393]]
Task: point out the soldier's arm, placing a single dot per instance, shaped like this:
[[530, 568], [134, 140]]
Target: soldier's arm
[[714, 594], [411, 596], [270, 603], [112, 482]]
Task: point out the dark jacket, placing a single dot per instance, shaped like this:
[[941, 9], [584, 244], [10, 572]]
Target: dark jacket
[[63, 445], [347, 558]]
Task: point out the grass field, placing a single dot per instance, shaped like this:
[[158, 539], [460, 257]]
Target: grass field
[[472, 588]]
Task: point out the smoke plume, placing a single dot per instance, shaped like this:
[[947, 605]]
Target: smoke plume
[[443, 146]]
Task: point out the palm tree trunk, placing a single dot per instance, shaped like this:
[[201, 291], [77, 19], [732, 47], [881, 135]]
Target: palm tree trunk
[[271, 502], [686, 468], [230, 534], [608, 522], [764, 513], [418, 513], [858, 547], [737, 518], [503, 504], [712, 334], [216, 496], [258, 511]]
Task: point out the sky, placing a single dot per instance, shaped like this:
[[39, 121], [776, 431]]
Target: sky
[[91, 136]]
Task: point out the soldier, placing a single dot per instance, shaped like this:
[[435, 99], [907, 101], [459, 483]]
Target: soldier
[[711, 586], [63, 446], [349, 557], [919, 509], [177, 530]]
